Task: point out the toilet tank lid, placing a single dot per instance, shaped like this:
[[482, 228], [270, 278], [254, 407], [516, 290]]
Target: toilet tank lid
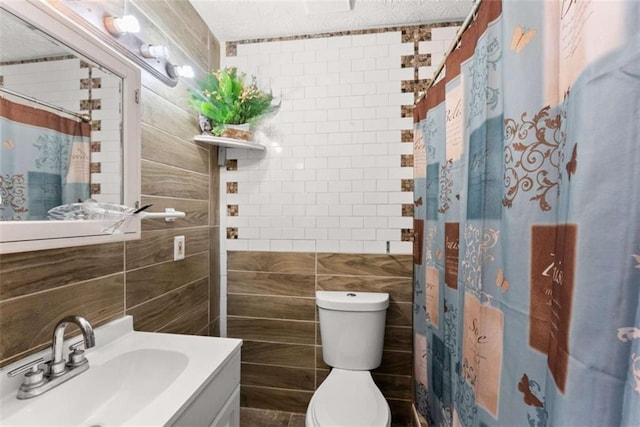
[[352, 301]]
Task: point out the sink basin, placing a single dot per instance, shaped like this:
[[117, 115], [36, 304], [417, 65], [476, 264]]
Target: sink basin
[[136, 379]]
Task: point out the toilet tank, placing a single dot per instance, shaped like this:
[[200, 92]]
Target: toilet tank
[[352, 328]]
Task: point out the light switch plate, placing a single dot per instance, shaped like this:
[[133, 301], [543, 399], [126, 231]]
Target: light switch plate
[[179, 248]]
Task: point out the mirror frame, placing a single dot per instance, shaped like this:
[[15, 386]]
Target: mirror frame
[[23, 236]]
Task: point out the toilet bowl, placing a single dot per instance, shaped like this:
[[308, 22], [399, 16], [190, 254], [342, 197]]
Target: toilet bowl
[[352, 330], [348, 398]]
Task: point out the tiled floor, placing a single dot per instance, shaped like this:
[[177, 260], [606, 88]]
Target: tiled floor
[[252, 417]]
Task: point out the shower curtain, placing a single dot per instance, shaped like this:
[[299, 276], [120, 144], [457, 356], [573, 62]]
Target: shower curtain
[[44, 161], [527, 220]]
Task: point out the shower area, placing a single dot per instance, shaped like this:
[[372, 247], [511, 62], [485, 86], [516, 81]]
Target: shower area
[[527, 220]]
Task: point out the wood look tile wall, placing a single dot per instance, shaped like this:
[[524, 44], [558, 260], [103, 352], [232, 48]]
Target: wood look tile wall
[[271, 306], [139, 278]]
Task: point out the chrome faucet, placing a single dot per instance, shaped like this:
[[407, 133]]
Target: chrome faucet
[[58, 366], [55, 372]]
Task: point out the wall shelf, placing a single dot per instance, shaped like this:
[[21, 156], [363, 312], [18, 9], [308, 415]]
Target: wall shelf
[[228, 142]]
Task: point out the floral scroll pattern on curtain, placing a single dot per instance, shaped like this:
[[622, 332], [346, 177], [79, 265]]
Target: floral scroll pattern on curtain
[[45, 161], [527, 221]]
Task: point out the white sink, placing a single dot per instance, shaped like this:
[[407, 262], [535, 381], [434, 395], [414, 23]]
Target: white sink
[[135, 378]]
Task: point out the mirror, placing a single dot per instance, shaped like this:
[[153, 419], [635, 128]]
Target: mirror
[[69, 127]]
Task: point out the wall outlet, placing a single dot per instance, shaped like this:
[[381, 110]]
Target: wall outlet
[[178, 248]]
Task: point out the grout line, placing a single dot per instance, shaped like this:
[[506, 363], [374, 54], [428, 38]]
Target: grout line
[[67, 285], [271, 295], [320, 274], [271, 318], [180, 169], [164, 262], [165, 294]]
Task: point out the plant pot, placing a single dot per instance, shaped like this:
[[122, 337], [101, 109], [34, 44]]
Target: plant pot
[[205, 124], [242, 132]]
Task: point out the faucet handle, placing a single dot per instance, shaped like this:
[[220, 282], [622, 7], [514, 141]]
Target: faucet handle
[[34, 376], [76, 355], [76, 346], [31, 366]]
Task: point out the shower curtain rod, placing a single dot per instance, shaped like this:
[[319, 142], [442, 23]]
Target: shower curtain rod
[[84, 117], [454, 44]]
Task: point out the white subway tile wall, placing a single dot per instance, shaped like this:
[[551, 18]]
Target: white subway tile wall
[[331, 178]]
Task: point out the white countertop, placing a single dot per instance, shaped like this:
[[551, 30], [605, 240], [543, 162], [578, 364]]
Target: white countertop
[[135, 379]]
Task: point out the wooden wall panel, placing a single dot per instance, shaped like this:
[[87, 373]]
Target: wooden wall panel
[[184, 24], [150, 282], [278, 376], [197, 213], [165, 148], [38, 288], [282, 331], [28, 322], [269, 353], [169, 181], [250, 282], [157, 246], [365, 265], [275, 262], [275, 398], [162, 114], [156, 313], [192, 322], [271, 305], [29, 272]]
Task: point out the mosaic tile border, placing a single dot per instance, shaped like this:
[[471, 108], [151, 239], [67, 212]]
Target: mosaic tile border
[[232, 188], [406, 185], [408, 209], [415, 33], [43, 59], [233, 210]]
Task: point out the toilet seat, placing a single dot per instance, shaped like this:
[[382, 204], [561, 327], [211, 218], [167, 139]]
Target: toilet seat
[[348, 398]]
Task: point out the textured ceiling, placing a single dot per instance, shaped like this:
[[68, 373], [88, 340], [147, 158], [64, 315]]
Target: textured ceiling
[[231, 20]]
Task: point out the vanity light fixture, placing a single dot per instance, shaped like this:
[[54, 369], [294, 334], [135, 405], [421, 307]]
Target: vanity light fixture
[[116, 32], [122, 25], [154, 51]]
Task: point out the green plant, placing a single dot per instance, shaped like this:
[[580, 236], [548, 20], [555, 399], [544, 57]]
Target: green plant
[[226, 97]]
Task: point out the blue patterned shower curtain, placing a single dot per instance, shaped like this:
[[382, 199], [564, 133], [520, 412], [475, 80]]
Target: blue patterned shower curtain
[[44, 161], [527, 220]]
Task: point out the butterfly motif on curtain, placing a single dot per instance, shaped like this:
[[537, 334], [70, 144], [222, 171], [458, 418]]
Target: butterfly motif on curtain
[[628, 334], [501, 282], [529, 398], [9, 144], [521, 37], [418, 202], [572, 164]]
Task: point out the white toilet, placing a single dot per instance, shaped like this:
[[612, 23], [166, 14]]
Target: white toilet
[[352, 330]]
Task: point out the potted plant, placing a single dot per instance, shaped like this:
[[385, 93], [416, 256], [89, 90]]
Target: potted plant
[[229, 104]]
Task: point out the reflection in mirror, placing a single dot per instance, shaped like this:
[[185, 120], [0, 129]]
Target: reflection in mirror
[[64, 73], [49, 155]]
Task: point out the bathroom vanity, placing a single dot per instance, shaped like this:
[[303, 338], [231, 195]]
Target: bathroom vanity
[[136, 378]]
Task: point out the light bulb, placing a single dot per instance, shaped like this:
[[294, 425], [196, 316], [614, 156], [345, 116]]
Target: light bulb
[[154, 51], [175, 71], [126, 24], [185, 71]]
